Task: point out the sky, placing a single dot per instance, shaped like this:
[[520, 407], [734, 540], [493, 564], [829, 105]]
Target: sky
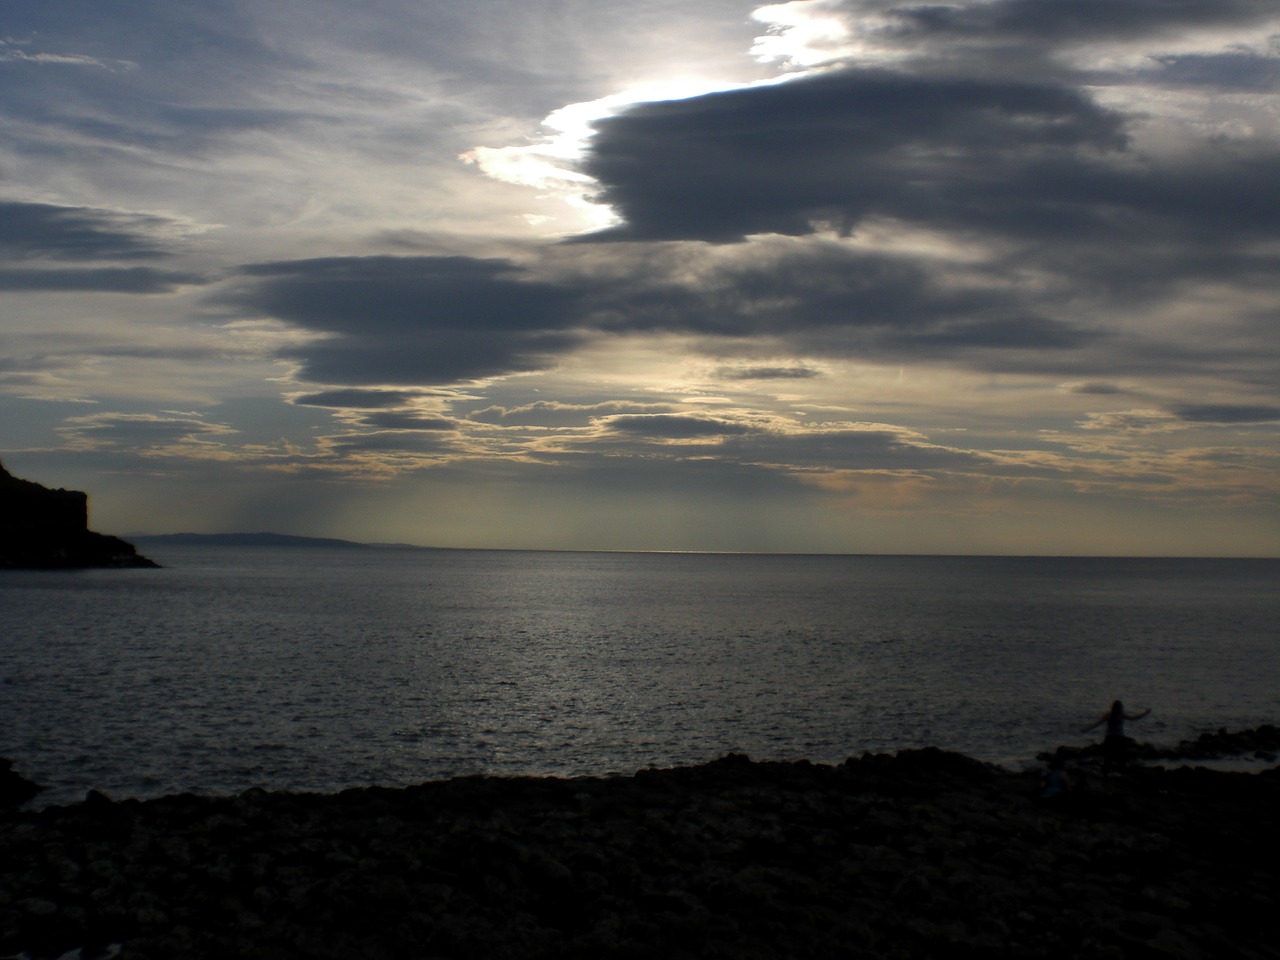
[[837, 276]]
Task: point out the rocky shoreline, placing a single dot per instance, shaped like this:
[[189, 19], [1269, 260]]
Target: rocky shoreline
[[920, 854]]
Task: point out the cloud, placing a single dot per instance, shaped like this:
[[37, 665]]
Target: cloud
[[1130, 421], [910, 254], [170, 434], [673, 426], [12, 51], [1062, 22], [556, 413], [762, 442], [768, 373], [974, 217], [1004, 160], [411, 320], [385, 451], [839, 147], [839, 300], [360, 399], [30, 231], [1237, 71], [177, 77], [1084, 177], [103, 279], [1227, 413], [1181, 416], [1094, 389], [837, 447], [408, 421], [441, 320]]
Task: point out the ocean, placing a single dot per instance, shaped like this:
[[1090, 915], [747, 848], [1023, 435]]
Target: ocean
[[308, 668]]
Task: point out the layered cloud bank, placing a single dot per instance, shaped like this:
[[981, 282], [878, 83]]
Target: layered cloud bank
[[983, 277]]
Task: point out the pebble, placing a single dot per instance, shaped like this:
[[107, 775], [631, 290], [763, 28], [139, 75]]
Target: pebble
[[915, 855]]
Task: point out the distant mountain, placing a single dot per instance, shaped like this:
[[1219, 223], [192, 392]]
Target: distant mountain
[[246, 540]]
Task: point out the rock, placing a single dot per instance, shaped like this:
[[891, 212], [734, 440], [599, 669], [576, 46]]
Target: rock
[[49, 529], [15, 789], [918, 855]]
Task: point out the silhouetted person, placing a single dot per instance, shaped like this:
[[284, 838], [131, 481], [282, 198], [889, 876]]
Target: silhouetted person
[[1115, 745]]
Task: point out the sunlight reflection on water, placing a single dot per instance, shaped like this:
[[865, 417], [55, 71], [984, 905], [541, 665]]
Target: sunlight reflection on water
[[311, 669]]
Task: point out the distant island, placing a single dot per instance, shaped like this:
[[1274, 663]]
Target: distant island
[[260, 540], [244, 540], [45, 529]]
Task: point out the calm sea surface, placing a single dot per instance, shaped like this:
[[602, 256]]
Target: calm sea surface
[[318, 669]]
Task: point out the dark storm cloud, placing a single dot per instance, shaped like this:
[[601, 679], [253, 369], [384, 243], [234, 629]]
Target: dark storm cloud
[[842, 146], [412, 319], [1227, 413], [33, 231]]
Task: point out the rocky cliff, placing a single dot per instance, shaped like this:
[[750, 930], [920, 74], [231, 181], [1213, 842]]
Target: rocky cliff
[[49, 529]]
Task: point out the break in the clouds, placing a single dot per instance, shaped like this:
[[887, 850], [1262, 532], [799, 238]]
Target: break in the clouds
[[826, 274]]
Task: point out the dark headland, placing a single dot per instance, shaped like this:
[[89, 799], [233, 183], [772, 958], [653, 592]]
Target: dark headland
[[923, 854], [49, 529]]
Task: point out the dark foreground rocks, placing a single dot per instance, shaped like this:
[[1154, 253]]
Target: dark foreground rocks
[[925, 854], [15, 789]]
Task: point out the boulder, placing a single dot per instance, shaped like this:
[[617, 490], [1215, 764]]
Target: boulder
[[15, 789]]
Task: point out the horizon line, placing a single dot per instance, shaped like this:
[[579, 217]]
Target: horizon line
[[341, 542]]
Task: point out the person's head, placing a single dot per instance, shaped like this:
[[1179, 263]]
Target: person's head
[[1117, 709]]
